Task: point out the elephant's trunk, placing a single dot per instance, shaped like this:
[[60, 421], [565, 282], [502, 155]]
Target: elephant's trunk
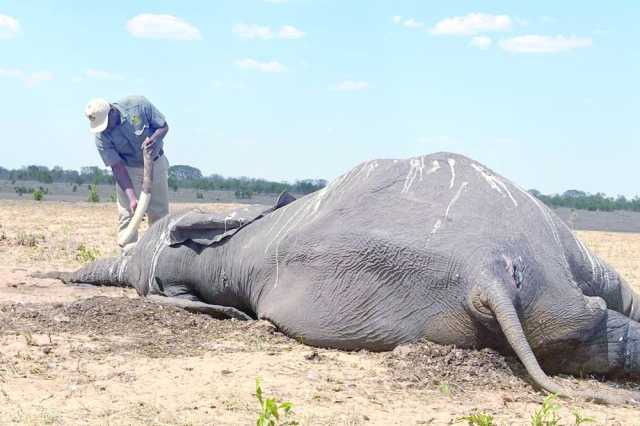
[[143, 203], [499, 302], [103, 272]]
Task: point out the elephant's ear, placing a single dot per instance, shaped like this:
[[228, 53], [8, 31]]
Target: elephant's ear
[[204, 228], [283, 199]]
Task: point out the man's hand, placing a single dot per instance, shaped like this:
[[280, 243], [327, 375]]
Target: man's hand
[[133, 201], [133, 205], [148, 144]]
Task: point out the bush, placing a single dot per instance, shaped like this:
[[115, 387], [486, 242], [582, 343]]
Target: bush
[[38, 195], [199, 195], [86, 254], [93, 194]]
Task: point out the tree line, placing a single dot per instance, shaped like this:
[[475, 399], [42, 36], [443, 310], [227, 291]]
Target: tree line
[[581, 200], [180, 176], [184, 176]]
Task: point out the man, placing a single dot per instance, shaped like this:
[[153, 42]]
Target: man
[[122, 131]]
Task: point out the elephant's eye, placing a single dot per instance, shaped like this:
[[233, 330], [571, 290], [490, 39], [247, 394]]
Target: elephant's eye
[[517, 276]]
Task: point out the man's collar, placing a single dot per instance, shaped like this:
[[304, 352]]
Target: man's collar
[[123, 115]]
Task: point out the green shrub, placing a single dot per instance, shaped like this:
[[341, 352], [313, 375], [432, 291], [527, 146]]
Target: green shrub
[[199, 195], [38, 195], [86, 254], [547, 414], [270, 409], [93, 194], [477, 419]]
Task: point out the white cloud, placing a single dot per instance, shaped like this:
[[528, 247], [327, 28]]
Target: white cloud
[[252, 31], [9, 27], [408, 23], [544, 44], [412, 23], [290, 32], [103, 75], [164, 27], [351, 86], [252, 64], [481, 42], [473, 23], [28, 79]]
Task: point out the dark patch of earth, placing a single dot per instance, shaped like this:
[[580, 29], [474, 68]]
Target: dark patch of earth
[[135, 325]]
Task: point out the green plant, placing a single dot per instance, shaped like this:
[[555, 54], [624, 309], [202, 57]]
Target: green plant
[[112, 197], [38, 195], [199, 195], [580, 420], [477, 419], [444, 389], [547, 414], [86, 254], [270, 409], [75, 188], [93, 194], [28, 240]]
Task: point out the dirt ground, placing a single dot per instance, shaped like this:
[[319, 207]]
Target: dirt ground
[[71, 355]]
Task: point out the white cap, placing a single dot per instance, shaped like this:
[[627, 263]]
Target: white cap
[[97, 111]]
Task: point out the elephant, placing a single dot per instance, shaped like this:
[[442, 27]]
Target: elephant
[[436, 247]]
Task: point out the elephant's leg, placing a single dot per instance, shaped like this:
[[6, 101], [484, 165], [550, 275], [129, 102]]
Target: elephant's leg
[[597, 278], [196, 306], [102, 272]]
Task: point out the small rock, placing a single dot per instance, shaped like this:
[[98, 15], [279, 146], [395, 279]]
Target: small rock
[[402, 350], [61, 318], [226, 372], [312, 375], [313, 356], [265, 326]]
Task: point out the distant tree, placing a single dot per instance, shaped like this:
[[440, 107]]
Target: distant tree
[[182, 172], [173, 183]]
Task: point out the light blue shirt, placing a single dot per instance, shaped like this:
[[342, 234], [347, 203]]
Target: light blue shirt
[[139, 119]]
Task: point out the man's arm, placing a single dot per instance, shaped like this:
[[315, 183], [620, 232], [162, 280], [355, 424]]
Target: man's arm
[[124, 181], [158, 135]]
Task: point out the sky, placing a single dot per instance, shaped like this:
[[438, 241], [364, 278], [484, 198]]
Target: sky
[[545, 93]]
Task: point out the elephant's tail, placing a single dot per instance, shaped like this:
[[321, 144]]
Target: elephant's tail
[[103, 272], [504, 311]]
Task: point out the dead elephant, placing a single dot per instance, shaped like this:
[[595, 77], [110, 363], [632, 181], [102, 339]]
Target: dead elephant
[[436, 247]]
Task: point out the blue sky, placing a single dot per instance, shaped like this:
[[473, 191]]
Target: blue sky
[[546, 92]]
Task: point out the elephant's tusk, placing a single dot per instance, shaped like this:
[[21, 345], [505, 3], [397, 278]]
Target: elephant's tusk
[[143, 204], [126, 237]]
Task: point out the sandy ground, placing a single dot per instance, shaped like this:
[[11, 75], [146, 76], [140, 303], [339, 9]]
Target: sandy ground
[[72, 355]]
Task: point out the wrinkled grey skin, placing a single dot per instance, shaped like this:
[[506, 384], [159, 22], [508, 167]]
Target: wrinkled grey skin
[[436, 247]]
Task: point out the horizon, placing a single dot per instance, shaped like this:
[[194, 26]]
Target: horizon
[[545, 94]]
